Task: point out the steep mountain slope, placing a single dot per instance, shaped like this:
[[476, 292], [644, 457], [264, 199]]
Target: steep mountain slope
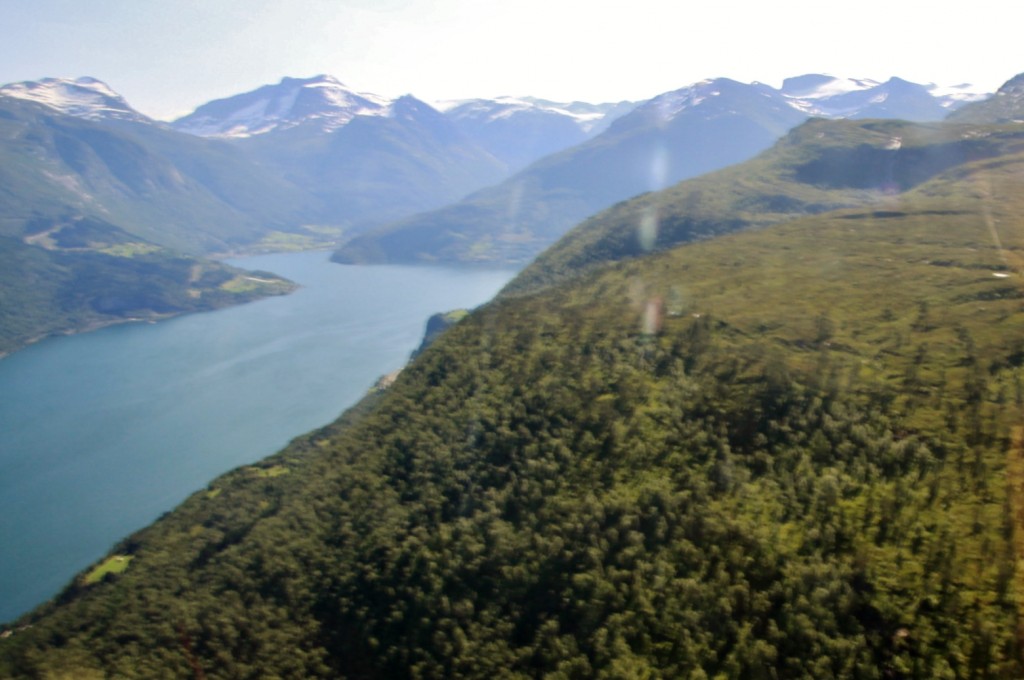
[[519, 131], [672, 137], [794, 451]]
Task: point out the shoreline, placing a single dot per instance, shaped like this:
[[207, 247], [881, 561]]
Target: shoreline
[[100, 324]]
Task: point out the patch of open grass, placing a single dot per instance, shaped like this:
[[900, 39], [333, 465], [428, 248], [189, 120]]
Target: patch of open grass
[[114, 564], [248, 283], [267, 472], [130, 249], [318, 236]]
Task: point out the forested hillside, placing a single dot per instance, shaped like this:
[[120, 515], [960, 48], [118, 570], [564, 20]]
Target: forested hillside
[[789, 452]]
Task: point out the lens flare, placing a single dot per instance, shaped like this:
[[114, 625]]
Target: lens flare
[[652, 316], [659, 168], [647, 231]]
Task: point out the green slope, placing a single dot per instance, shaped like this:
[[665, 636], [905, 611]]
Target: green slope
[[96, 275], [791, 452], [820, 166]]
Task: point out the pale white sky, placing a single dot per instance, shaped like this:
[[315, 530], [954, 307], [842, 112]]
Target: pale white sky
[[168, 56]]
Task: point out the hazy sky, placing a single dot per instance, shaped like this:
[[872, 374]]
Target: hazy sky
[[168, 56]]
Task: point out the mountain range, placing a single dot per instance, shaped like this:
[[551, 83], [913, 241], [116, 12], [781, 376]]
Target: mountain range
[[520, 130], [674, 136], [310, 162], [761, 423], [93, 193]]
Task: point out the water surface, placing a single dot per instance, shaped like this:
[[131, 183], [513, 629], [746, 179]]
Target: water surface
[[100, 433]]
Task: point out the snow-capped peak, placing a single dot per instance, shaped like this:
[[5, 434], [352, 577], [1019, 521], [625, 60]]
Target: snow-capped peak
[[322, 102], [587, 117], [712, 96], [84, 97], [671, 104]]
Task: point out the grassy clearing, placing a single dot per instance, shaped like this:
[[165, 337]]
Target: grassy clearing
[[115, 564], [268, 472], [247, 283], [318, 236], [130, 249]]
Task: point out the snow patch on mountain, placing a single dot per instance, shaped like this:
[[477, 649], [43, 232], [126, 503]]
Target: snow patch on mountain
[[828, 87], [830, 97], [588, 117], [671, 104], [953, 96], [83, 97], [322, 102]]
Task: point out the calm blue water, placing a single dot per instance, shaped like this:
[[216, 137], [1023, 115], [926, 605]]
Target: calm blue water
[[101, 433]]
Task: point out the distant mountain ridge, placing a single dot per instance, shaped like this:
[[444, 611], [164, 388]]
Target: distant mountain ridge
[[519, 130], [393, 162], [322, 101], [327, 103], [830, 97], [516, 131], [671, 137]]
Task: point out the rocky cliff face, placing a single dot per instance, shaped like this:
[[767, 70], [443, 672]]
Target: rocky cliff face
[[438, 324]]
